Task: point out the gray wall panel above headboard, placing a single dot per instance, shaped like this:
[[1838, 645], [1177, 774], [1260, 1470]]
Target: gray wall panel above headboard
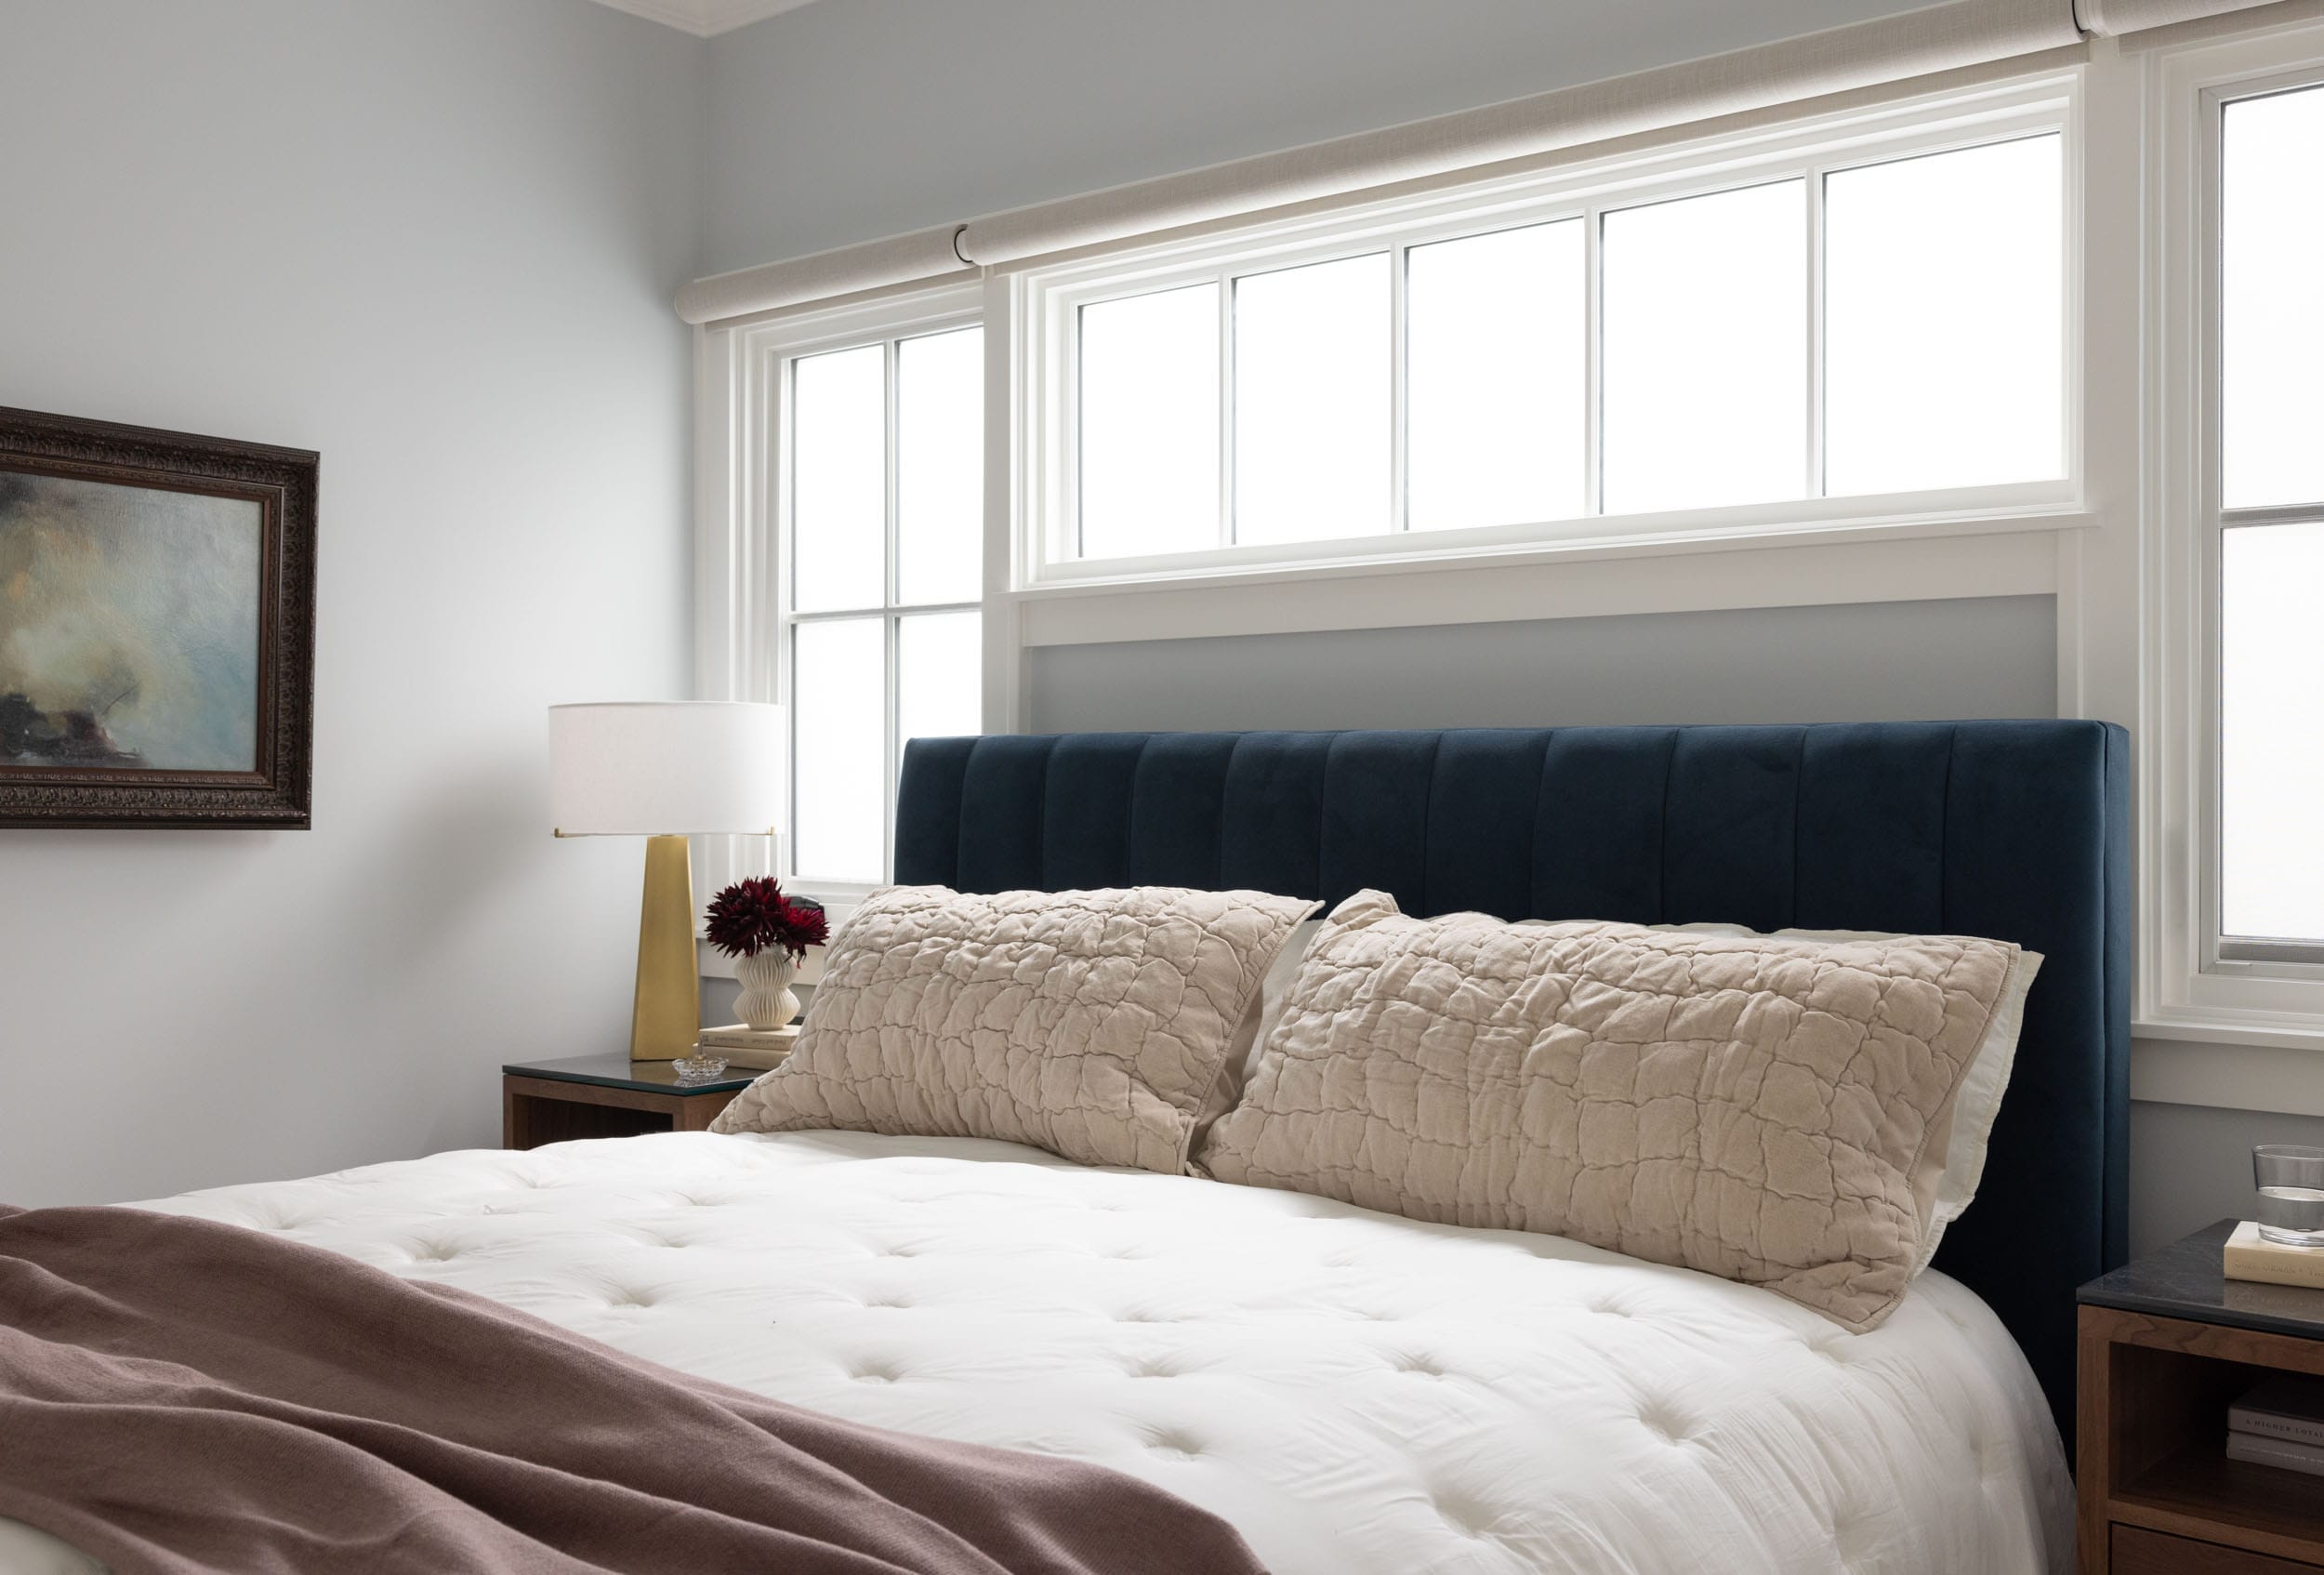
[[1982, 657]]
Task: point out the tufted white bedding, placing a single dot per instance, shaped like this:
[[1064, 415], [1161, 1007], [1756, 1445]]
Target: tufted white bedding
[[1360, 1395]]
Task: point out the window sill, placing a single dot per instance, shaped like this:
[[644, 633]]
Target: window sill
[[2260, 1030], [2017, 555], [1455, 551]]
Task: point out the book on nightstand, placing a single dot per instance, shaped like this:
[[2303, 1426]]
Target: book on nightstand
[[2281, 1424], [2249, 1255], [2261, 1450], [2287, 1406], [745, 1046]]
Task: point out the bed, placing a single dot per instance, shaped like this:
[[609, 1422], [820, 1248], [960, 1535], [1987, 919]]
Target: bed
[[1357, 1392]]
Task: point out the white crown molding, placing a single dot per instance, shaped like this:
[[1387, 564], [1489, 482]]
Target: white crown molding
[[704, 18]]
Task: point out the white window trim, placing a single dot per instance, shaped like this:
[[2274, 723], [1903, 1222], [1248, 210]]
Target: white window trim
[[2186, 990], [742, 529], [1037, 311]]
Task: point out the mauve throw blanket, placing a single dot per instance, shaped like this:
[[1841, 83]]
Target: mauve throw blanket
[[180, 1395]]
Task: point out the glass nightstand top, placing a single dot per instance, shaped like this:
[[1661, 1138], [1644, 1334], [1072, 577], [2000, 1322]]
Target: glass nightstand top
[[620, 1072]]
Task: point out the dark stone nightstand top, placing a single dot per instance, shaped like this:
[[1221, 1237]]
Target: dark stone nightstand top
[[2183, 1281], [620, 1072]]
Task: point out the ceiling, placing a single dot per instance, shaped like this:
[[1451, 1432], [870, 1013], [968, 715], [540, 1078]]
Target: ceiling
[[704, 17]]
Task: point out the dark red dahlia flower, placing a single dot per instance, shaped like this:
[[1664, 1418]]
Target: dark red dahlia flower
[[753, 915]]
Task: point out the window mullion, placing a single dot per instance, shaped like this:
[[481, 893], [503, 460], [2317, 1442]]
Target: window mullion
[[893, 584], [785, 635], [1815, 482], [1399, 416], [1226, 408], [840, 614], [1067, 378], [891, 622], [891, 644], [1592, 361], [783, 518], [2274, 514]]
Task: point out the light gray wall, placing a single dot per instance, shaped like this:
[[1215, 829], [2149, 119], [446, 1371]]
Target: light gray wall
[[2191, 1165], [435, 240], [851, 119], [1887, 662]]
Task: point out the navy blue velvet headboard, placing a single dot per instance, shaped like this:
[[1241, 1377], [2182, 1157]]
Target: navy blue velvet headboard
[[2017, 831]]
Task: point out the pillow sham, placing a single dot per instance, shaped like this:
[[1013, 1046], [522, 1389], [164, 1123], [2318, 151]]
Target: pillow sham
[[1091, 1024], [1773, 1111], [1970, 1129]]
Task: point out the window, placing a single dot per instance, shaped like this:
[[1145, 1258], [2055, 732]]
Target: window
[[1150, 423], [1879, 318], [2267, 514], [1705, 351], [2230, 572], [1494, 365], [1943, 321], [882, 492]]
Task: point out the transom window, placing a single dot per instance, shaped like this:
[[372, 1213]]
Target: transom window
[[1856, 324], [881, 493], [2267, 525]]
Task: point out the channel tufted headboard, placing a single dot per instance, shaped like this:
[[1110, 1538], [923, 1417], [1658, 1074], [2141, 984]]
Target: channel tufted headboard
[[2011, 829]]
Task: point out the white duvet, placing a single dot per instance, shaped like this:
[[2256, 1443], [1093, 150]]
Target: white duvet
[[1359, 1394]]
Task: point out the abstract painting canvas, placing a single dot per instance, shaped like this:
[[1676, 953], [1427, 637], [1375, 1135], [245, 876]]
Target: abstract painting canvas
[[155, 627], [129, 626]]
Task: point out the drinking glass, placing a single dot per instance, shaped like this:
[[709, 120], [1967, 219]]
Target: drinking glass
[[2292, 1193]]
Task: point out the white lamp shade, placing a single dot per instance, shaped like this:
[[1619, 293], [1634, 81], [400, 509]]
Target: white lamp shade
[[655, 768]]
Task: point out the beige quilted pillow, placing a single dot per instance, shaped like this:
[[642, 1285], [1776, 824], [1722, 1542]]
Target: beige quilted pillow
[[1091, 1024], [1769, 1110]]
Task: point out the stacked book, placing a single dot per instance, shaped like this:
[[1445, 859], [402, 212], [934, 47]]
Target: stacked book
[[744, 1046], [2281, 1422], [2249, 1255]]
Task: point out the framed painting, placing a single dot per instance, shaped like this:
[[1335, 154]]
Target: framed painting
[[157, 596]]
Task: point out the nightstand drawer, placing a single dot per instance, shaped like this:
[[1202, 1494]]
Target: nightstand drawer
[[2151, 1552]]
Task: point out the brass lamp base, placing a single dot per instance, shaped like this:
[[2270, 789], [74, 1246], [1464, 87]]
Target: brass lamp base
[[667, 1017]]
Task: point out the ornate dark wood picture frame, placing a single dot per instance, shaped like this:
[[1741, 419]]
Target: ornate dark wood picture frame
[[157, 608]]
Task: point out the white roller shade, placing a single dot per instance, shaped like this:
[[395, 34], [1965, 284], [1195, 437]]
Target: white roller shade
[[1957, 34], [1966, 32], [2113, 18], [874, 265]]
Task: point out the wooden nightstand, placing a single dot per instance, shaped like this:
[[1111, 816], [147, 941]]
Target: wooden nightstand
[[606, 1096], [2166, 1345]]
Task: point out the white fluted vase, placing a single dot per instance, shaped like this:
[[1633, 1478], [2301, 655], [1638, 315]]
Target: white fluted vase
[[766, 1000]]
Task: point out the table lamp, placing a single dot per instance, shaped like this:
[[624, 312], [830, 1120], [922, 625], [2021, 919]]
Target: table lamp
[[664, 769]]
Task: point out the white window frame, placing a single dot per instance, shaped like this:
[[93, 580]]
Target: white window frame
[[1042, 307], [2190, 986], [745, 535]]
